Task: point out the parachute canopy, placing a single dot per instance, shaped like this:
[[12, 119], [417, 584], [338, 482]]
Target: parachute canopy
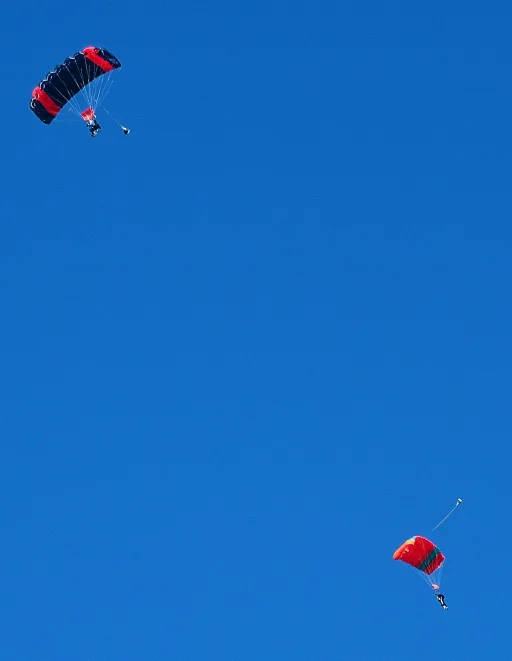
[[423, 555], [74, 75]]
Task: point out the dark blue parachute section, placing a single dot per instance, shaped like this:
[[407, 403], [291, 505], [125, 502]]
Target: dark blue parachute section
[[67, 79]]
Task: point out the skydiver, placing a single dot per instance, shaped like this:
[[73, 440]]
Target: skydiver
[[440, 599], [93, 126]]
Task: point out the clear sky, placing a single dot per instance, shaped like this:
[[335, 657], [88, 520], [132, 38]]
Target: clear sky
[[249, 349]]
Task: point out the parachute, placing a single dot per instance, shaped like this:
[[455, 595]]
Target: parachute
[[426, 557], [423, 555], [87, 72]]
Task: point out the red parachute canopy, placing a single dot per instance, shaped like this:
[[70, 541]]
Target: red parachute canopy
[[420, 553], [424, 555]]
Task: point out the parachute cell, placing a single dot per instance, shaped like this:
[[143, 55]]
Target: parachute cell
[[74, 75]]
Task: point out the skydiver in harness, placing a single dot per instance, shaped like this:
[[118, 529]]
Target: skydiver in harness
[[92, 123], [93, 126], [440, 599]]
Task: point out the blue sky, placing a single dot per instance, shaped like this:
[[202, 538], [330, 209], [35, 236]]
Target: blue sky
[[252, 347]]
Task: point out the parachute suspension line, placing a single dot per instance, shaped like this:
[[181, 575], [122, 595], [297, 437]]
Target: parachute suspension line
[[84, 80], [434, 579], [459, 501], [92, 91], [98, 88], [81, 86], [86, 87], [72, 101], [100, 91], [67, 90], [431, 582]]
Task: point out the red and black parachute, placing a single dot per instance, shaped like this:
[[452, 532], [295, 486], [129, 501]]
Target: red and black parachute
[[74, 75]]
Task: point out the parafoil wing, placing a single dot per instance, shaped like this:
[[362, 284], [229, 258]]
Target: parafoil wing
[[74, 75], [423, 555]]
